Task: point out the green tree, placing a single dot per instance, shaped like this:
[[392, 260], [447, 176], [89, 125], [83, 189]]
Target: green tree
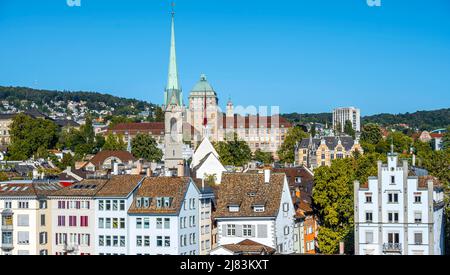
[[28, 135], [264, 157], [446, 139], [313, 130], [233, 151], [286, 152], [371, 134], [348, 129], [114, 143], [145, 147], [402, 142], [159, 114]]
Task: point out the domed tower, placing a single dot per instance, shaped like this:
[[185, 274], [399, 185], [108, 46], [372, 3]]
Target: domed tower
[[203, 109]]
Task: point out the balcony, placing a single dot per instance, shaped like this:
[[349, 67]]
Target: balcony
[[7, 227], [392, 247]]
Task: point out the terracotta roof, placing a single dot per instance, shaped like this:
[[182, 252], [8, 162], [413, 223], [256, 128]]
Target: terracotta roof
[[156, 128], [84, 188], [256, 121], [436, 135], [423, 181], [101, 156], [154, 187], [249, 247], [119, 186], [294, 172], [247, 190], [29, 189], [364, 185]]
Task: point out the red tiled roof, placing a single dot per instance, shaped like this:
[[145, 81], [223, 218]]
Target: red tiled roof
[[256, 121], [436, 135], [101, 156], [249, 247]]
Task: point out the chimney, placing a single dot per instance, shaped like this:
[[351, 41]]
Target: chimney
[[69, 169], [116, 169], [149, 172], [139, 167], [180, 171], [266, 175], [341, 248]]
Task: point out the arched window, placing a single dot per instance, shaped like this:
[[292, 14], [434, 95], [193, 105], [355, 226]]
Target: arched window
[[173, 129]]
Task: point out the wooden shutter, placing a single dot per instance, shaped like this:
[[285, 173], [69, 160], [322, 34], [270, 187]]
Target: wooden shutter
[[224, 230], [253, 231]]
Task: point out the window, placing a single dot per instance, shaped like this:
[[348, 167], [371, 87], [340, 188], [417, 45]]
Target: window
[[369, 237], [23, 204], [417, 198], [392, 179], [159, 241], [286, 230], [8, 205], [42, 219], [115, 241], [23, 237], [159, 223], [393, 217], [247, 230], [147, 241], [122, 223], [101, 240], [108, 240], [167, 241], [115, 223], [43, 238], [231, 230], [418, 217], [115, 205], [122, 241], [138, 240], [285, 207], [368, 198], [107, 205], [146, 223], [166, 223], [122, 205], [146, 202], [393, 238], [72, 221], [392, 197], [101, 205], [369, 217], [258, 208], [23, 220], [139, 223], [418, 237], [42, 204], [84, 221]]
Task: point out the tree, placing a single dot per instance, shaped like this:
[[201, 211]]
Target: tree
[[286, 152], [114, 143], [313, 130], [348, 129], [28, 135], [159, 115], [402, 142], [371, 134], [233, 151], [446, 139], [145, 147], [263, 157], [87, 130]]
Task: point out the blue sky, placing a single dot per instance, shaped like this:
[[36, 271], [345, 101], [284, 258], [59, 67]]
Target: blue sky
[[302, 55]]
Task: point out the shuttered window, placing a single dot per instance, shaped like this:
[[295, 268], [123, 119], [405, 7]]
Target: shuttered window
[[23, 220]]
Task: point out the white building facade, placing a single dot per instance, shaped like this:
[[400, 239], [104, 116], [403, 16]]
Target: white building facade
[[341, 115], [396, 213]]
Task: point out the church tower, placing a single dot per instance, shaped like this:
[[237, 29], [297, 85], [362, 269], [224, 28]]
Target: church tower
[[174, 113]]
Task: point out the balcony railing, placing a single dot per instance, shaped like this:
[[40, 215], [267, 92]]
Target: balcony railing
[[392, 247], [69, 248]]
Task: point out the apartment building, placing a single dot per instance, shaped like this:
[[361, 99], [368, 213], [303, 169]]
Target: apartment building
[[26, 218], [398, 212], [111, 218], [208, 232], [164, 217], [342, 115], [257, 207], [73, 218]]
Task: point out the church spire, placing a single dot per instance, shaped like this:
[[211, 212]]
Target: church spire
[[173, 90]]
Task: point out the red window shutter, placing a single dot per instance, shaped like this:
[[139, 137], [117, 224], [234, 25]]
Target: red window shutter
[[86, 221]]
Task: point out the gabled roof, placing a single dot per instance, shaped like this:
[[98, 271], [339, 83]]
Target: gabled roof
[[29, 189], [101, 156], [203, 150], [157, 187], [331, 142], [249, 247], [247, 190], [119, 186]]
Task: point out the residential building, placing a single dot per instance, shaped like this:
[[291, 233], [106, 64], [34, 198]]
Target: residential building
[[5, 122], [164, 217], [398, 212], [26, 218], [105, 160], [205, 162], [341, 115], [257, 207], [208, 231], [316, 152], [73, 218], [112, 225]]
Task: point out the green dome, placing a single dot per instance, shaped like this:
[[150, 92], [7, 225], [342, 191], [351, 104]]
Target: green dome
[[202, 85]]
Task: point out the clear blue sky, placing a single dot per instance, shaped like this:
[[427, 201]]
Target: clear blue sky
[[303, 55]]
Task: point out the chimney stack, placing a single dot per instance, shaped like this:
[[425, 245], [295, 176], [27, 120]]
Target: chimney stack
[[341, 248], [267, 175], [116, 169], [149, 172]]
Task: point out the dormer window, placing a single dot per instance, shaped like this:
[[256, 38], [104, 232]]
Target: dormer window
[[146, 202], [138, 202], [251, 194], [258, 208], [298, 179], [233, 208]]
